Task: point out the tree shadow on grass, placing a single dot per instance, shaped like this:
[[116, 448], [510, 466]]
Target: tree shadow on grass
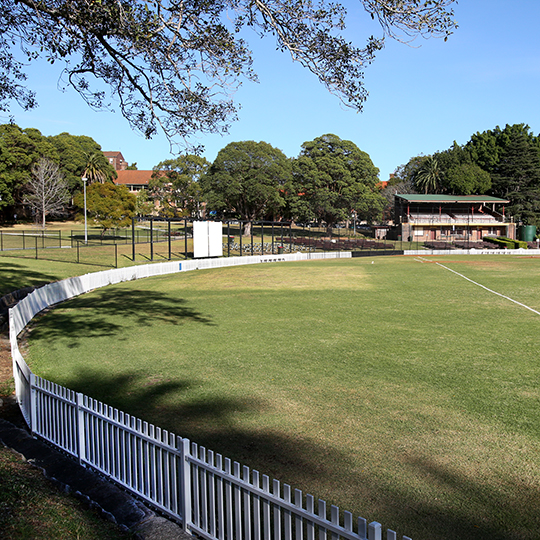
[[210, 422], [509, 509], [92, 315], [477, 512], [15, 276]]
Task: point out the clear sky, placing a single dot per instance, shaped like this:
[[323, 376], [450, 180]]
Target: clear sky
[[422, 97]]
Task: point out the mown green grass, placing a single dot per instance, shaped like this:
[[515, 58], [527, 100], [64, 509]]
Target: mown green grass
[[387, 386]]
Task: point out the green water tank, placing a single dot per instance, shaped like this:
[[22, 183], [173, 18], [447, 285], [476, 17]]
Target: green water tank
[[527, 233]]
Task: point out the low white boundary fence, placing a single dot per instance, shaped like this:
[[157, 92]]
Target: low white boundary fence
[[520, 251], [211, 496]]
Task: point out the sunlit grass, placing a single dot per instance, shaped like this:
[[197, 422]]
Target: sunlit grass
[[387, 386]]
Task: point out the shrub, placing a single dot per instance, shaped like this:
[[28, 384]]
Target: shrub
[[504, 242], [500, 241]]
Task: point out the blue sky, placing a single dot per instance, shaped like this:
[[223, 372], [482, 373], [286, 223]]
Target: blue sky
[[422, 97]]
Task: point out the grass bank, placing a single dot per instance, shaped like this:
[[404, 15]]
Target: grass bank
[[33, 507]]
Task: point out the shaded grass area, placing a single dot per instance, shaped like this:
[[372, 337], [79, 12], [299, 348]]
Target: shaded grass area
[[32, 507], [19, 273], [389, 387], [22, 269]]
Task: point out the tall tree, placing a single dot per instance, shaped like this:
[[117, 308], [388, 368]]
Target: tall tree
[[20, 150], [405, 173], [428, 176], [73, 154], [47, 190], [334, 178], [486, 148], [400, 183], [97, 169], [175, 185], [511, 155], [516, 176], [144, 204], [174, 64], [467, 179], [459, 175], [108, 205], [247, 179]]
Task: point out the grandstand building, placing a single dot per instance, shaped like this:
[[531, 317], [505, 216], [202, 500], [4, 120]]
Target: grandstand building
[[451, 218]]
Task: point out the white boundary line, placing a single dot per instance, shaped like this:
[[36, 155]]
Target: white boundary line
[[420, 259]]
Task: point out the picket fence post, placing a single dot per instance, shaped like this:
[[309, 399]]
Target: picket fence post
[[81, 447], [374, 531], [33, 404], [185, 483]]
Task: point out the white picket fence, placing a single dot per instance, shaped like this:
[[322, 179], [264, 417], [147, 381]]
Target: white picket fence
[[211, 496]]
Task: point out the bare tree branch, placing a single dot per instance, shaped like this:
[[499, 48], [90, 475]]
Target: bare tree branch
[[47, 190]]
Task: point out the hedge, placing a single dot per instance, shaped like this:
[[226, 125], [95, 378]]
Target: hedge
[[507, 243]]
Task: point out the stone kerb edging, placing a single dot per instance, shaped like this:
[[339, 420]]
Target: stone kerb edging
[[53, 293]]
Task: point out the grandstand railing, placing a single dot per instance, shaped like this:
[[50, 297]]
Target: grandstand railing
[[211, 496], [453, 220]]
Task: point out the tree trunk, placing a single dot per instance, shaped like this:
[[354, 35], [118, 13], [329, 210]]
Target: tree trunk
[[247, 229]]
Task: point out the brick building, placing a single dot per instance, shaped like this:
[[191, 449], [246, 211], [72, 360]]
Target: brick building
[[116, 159]]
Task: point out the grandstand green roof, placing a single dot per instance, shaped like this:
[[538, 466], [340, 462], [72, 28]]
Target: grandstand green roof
[[414, 197]]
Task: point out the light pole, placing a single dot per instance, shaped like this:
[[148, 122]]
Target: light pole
[[85, 222]]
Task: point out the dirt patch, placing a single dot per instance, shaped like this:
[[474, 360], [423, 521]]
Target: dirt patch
[[6, 368], [9, 410]]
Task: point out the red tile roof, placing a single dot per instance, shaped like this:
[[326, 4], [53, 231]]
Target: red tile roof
[[135, 178]]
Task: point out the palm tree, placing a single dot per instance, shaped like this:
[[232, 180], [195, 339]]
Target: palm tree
[[97, 168], [428, 176]]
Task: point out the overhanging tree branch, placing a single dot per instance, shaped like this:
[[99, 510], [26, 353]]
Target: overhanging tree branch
[[175, 64]]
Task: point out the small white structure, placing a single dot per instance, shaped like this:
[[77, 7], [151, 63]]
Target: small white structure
[[207, 239]]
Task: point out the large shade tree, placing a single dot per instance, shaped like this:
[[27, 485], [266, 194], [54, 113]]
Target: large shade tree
[[175, 64], [247, 179], [80, 155], [20, 150], [175, 185], [459, 174], [334, 179]]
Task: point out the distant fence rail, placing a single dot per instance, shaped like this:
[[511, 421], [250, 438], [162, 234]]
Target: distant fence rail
[[211, 496], [266, 237], [30, 239]]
